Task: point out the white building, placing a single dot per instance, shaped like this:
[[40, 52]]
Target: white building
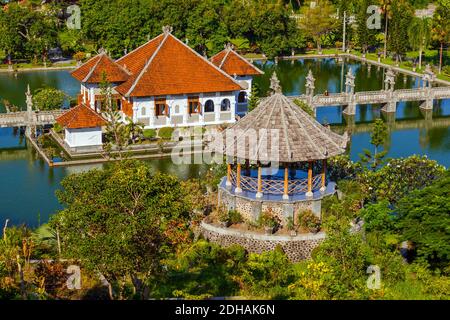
[[164, 83], [82, 127]]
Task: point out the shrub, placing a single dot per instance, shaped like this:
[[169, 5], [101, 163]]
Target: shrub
[[308, 220], [166, 133], [149, 133], [268, 219], [223, 215], [234, 216], [290, 224], [446, 70], [57, 128], [399, 177], [408, 64], [79, 56], [305, 107], [48, 99], [341, 167]]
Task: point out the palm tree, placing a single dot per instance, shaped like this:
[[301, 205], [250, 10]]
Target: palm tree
[[386, 10], [441, 29], [419, 34], [134, 129]]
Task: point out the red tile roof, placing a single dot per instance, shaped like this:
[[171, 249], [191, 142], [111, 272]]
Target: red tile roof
[[165, 65], [233, 64], [91, 71], [80, 117]]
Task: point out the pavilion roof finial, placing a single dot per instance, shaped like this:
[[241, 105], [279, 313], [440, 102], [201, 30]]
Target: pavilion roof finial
[[275, 84], [167, 29]]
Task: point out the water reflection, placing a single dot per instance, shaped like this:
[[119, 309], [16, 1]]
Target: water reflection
[[27, 185]]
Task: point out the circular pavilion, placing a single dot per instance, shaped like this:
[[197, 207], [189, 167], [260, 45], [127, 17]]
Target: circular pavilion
[[277, 159]]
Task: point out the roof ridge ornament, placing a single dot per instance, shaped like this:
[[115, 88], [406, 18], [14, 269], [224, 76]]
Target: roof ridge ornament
[[275, 84], [102, 51], [228, 46], [167, 29]]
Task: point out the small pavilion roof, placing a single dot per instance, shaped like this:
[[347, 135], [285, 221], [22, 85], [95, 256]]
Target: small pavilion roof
[[232, 63], [92, 70], [298, 136], [81, 117]]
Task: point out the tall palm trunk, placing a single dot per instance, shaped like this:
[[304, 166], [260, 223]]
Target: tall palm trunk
[[385, 35], [420, 56]]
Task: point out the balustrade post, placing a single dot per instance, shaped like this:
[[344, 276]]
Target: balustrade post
[[238, 179], [310, 194], [324, 176], [259, 194], [286, 183]]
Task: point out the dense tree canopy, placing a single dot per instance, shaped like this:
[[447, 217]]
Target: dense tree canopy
[[118, 221], [424, 219]]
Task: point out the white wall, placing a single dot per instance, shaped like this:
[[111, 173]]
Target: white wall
[[144, 108], [83, 137]]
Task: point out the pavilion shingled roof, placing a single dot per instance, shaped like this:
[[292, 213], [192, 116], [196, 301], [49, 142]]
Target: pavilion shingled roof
[[299, 137]]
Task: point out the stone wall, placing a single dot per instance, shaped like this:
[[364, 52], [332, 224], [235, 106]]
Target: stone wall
[[296, 248], [250, 209]]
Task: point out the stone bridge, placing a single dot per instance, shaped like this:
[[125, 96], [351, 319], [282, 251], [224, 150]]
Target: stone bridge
[[387, 97], [23, 119], [29, 118]]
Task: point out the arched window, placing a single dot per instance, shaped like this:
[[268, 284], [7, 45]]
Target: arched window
[[143, 112], [209, 106], [242, 98], [225, 105]]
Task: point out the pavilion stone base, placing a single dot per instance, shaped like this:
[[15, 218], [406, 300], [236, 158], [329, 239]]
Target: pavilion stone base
[[296, 248], [251, 208]]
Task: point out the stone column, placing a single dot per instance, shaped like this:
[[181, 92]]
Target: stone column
[[310, 87]]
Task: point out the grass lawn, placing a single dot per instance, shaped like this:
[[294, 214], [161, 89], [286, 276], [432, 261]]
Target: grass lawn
[[39, 65]]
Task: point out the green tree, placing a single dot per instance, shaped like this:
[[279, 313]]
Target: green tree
[[253, 100], [365, 37], [135, 130], [377, 138], [121, 221], [386, 11], [419, 35], [347, 255], [48, 99], [117, 132], [27, 32], [441, 27], [204, 270], [399, 177], [378, 217], [424, 219], [267, 275], [401, 15], [318, 21]]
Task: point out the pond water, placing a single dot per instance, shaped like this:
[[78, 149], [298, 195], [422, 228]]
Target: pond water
[[28, 185]]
